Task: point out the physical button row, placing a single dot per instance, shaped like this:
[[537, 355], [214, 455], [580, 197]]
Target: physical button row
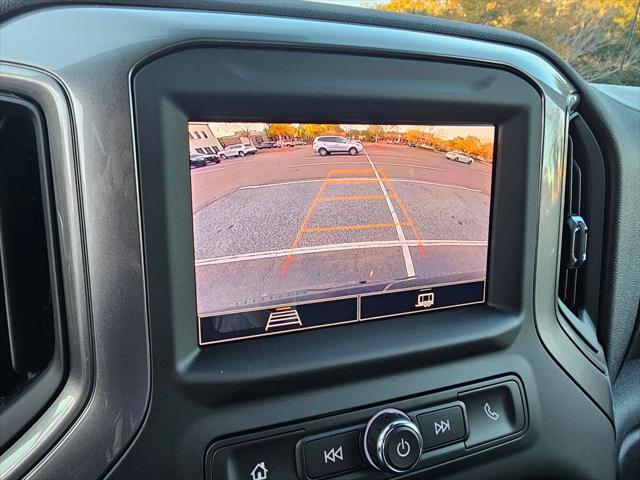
[[390, 442]]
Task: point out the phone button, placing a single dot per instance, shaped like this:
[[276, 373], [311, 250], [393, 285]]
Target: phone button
[[493, 412]]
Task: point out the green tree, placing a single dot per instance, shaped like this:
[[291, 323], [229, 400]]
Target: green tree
[[412, 136], [277, 130], [309, 131], [589, 34], [374, 133]]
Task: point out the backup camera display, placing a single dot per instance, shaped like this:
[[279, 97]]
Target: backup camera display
[[303, 226]]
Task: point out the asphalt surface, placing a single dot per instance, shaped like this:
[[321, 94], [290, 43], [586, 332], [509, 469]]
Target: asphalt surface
[[280, 226]]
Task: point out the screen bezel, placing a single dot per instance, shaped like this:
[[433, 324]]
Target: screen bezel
[[171, 90]]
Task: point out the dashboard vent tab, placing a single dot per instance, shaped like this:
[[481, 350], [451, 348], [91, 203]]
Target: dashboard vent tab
[[576, 231], [31, 347]]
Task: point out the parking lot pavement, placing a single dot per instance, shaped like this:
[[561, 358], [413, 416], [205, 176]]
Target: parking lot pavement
[[286, 223]]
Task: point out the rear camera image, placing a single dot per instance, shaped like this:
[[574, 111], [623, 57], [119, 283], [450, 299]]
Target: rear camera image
[[300, 226]]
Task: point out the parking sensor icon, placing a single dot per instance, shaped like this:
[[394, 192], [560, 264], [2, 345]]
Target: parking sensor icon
[[283, 316]]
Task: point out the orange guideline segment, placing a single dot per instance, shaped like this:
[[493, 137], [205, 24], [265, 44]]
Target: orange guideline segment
[[352, 180], [319, 198], [405, 212], [298, 236], [354, 197]]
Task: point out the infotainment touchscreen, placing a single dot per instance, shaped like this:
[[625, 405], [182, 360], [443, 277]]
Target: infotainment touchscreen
[[300, 226]]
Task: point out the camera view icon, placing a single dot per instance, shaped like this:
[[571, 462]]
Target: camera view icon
[[425, 300], [283, 316]]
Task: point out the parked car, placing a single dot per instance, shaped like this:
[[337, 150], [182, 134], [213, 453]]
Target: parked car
[[238, 150], [283, 143], [267, 144], [197, 160], [330, 144], [459, 157]]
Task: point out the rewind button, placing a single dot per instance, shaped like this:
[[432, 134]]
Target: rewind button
[[331, 455]]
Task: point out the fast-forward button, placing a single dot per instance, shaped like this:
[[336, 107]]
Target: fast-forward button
[[442, 426]]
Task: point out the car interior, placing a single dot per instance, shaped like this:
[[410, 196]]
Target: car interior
[[289, 240]]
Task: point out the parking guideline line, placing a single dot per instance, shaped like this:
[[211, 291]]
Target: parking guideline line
[[351, 197], [385, 194], [298, 236], [406, 254], [405, 211]]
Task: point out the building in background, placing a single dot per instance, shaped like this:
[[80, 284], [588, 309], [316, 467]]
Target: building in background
[[202, 140], [235, 139]]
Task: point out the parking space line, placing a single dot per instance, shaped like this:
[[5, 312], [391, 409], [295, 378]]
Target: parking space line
[[359, 180], [336, 247], [325, 163], [406, 216], [367, 226], [211, 170], [406, 254], [364, 163], [349, 170], [412, 166], [231, 163], [435, 184], [293, 182]]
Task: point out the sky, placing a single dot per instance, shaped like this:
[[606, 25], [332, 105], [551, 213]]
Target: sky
[[484, 133]]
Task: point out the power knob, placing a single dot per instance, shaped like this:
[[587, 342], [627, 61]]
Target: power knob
[[392, 442]]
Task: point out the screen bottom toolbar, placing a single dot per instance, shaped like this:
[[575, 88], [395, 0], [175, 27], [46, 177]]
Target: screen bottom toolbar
[[295, 317]]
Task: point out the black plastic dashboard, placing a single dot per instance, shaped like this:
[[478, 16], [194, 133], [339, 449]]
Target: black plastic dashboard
[[164, 407]]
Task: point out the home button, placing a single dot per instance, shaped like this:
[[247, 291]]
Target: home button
[[264, 459]]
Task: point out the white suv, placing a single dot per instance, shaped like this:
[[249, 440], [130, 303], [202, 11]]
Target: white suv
[[326, 145], [459, 157], [237, 150]]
